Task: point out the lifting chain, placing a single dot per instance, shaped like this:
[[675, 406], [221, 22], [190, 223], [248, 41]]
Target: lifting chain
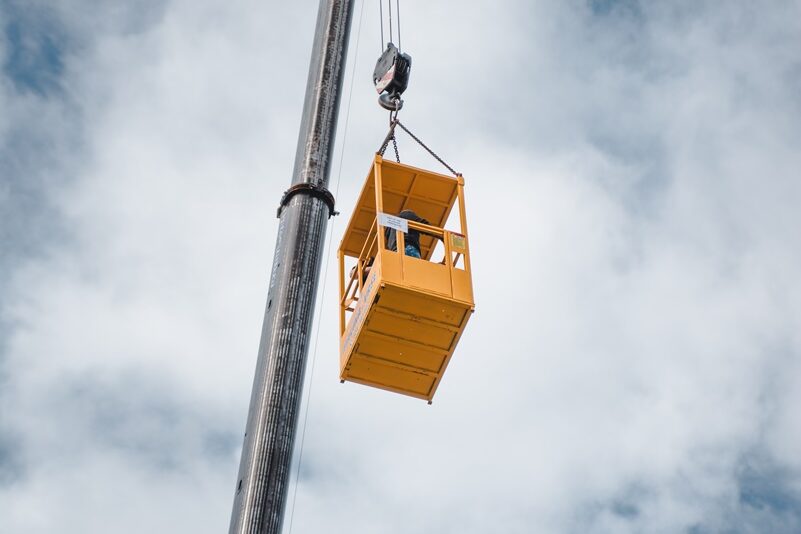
[[395, 146], [393, 120], [391, 137], [436, 157]]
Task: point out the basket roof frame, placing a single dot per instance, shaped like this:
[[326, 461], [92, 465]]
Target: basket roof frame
[[429, 194]]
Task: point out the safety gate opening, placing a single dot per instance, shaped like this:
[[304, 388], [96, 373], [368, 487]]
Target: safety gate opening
[[402, 309]]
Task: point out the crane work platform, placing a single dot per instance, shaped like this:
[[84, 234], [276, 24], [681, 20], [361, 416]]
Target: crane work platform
[[400, 317]]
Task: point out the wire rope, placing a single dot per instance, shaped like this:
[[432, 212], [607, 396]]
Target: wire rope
[[389, 5], [381, 16], [325, 273]]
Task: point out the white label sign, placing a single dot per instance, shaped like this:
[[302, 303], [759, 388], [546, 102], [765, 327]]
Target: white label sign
[[391, 221]]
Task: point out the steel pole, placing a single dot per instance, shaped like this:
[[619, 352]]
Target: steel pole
[[262, 484]]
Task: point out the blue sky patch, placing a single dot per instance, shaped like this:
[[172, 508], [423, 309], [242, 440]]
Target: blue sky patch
[[768, 487], [35, 58], [605, 7]]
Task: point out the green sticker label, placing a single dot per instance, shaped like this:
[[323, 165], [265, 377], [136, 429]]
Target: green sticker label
[[457, 241]]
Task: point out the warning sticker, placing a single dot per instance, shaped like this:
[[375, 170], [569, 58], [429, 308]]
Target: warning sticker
[[457, 242]]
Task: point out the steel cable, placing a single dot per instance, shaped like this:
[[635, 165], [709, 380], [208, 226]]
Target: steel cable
[[381, 16]]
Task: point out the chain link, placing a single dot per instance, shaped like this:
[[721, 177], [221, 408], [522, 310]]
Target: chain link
[[393, 120], [395, 146], [405, 129], [391, 137]]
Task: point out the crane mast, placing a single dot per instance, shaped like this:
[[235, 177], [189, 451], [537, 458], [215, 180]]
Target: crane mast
[[261, 487]]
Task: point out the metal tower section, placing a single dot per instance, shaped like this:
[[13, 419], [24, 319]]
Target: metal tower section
[[262, 483]]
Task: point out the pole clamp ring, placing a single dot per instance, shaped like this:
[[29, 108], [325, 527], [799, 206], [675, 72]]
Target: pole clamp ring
[[314, 190]]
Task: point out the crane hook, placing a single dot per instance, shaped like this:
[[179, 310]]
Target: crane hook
[[390, 101]]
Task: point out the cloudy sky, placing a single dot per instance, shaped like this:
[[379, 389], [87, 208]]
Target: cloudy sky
[[633, 183]]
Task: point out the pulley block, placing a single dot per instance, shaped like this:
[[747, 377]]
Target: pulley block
[[391, 77]]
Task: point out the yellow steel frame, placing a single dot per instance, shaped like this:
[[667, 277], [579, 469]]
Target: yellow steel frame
[[400, 317]]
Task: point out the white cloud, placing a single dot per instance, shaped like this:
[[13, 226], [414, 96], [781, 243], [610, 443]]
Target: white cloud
[[633, 361]]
